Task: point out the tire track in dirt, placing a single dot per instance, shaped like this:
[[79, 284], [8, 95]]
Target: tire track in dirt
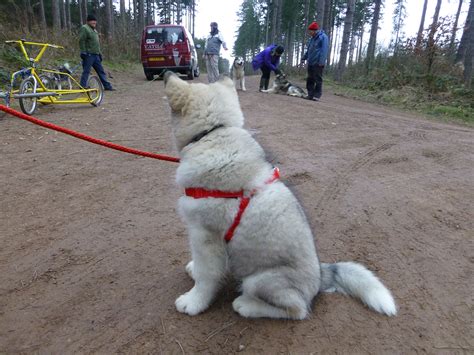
[[341, 182]]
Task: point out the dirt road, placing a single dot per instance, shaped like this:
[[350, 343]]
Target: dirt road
[[92, 251]]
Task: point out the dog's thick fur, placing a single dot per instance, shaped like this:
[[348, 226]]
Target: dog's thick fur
[[237, 73], [272, 252], [281, 85]]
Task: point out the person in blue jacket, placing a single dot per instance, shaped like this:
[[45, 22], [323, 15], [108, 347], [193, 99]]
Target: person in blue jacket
[[316, 56], [267, 61]]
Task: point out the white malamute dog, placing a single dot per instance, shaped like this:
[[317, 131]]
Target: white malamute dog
[[281, 85], [242, 221], [237, 73]]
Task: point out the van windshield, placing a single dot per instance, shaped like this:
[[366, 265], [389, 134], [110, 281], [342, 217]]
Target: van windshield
[[164, 35]]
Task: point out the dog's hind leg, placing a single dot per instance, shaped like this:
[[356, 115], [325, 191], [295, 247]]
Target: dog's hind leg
[[207, 268], [269, 294]]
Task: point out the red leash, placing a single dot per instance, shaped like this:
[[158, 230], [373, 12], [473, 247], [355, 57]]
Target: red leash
[[87, 138]]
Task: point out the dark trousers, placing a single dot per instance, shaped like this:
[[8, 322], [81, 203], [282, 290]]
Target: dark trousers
[[93, 61], [314, 81], [265, 72], [265, 79]]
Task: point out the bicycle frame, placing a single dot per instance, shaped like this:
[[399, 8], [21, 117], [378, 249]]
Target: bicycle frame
[[43, 94]]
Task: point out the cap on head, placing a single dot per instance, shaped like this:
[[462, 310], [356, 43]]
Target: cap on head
[[214, 24], [279, 50], [313, 27], [91, 17]]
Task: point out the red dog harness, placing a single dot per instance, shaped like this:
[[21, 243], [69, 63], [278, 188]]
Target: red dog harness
[[197, 192]]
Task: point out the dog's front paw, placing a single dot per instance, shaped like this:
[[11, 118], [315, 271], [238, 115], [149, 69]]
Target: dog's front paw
[[191, 303]]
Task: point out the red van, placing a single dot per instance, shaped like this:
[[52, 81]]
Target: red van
[[168, 47]]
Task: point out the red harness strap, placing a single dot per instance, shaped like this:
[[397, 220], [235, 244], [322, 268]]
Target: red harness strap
[[197, 192]]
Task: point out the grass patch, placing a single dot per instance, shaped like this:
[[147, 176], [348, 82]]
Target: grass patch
[[456, 106]]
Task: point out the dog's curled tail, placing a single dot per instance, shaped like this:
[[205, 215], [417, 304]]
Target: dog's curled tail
[[355, 280]]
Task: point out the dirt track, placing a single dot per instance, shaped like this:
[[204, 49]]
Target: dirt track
[[92, 251]]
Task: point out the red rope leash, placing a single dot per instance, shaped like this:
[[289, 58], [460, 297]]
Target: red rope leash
[[87, 138]]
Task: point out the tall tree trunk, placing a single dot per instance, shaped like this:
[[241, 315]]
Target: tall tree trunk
[[178, 12], [194, 14], [141, 15], [85, 10], [330, 27], [29, 15], [306, 23], [320, 12], [397, 35], [109, 18], [274, 7], [123, 19], [326, 25], [63, 14], [361, 42], [81, 16], [345, 39], [67, 4], [431, 42], [42, 15], [466, 34], [373, 36], [468, 56], [466, 46], [455, 27], [352, 45], [56, 16], [419, 36]]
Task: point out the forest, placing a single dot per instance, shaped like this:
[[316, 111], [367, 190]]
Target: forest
[[435, 65]]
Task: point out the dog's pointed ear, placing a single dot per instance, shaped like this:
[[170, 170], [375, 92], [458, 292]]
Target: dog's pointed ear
[[226, 81], [176, 90]]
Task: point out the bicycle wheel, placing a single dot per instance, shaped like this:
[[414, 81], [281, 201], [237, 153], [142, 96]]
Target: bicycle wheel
[[28, 104], [95, 96]]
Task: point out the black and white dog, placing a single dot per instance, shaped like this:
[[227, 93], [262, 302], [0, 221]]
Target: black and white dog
[[237, 73], [282, 86]]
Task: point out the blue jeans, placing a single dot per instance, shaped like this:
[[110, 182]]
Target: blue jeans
[[89, 61]]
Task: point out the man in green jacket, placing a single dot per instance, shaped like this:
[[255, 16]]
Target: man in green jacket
[[90, 53]]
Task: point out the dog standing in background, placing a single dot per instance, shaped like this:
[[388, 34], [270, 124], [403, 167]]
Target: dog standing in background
[[237, 73]]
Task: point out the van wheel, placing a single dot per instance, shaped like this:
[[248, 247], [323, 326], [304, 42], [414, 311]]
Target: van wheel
[[149, 75], [191, 74]]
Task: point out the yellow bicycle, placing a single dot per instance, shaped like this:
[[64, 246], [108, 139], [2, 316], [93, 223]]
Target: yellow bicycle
[[48, 87]]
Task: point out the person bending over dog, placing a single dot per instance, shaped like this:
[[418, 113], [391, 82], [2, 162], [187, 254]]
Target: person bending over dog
[[267, 61]]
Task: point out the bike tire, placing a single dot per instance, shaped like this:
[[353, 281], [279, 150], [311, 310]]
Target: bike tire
[[94, 83], [28, 104]]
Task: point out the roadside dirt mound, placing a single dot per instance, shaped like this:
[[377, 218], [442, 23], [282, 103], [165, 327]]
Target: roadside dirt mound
[[92, 251]]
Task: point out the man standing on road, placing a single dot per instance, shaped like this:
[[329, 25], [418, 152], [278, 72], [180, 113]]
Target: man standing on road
[[316, 54], [211, 52], [90, 53]]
